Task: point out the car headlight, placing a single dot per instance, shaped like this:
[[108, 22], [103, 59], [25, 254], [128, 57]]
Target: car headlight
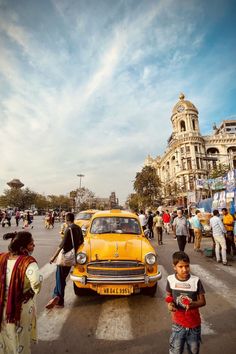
[[81, 258], [150, 258]]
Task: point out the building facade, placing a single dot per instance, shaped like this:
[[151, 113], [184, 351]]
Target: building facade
[[189, 156]]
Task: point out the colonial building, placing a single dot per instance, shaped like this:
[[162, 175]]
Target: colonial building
[[189, 156]]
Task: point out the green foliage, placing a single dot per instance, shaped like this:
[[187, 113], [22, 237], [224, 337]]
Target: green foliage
[[147, 185], [24, 198], [219, 171], [19, 198], [133, 202]]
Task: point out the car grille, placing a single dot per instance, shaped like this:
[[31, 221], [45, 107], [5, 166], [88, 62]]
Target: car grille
[[116, 268]]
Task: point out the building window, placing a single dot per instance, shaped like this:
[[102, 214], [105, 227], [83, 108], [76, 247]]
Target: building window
[[198, 163], [182, 150], [196, 148], [182, 126], [187, 148], [189, 164], [193, 123]]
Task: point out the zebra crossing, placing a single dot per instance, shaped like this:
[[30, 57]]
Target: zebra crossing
[[115, 322]]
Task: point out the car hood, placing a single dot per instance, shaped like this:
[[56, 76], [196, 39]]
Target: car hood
[[111, 247]]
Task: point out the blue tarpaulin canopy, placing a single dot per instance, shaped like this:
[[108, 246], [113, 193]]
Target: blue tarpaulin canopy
[[206, 204]]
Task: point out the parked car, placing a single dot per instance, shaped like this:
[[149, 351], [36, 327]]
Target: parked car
[[82, 219], [116, 258]]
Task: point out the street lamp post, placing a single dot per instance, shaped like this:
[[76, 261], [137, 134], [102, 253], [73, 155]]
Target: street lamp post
[[80, 175], [79, 194]]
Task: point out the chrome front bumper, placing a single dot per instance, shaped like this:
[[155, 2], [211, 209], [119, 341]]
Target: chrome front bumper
[[145, 279]]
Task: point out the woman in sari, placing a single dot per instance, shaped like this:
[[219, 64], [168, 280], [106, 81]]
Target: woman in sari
[[20, 281]]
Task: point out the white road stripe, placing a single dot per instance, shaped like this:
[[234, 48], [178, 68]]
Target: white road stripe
[[221, 288], [230, 270], [206, 326], [50, 322], [114, 321]]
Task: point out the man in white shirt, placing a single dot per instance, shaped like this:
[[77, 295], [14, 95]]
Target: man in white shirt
[[218, 232], [142, 219]]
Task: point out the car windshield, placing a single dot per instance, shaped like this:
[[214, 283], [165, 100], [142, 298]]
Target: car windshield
[[117, 225], [83, 216]]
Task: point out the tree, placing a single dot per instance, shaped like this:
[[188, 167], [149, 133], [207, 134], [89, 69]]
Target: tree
[[133, 201], [84, 198], [58, 202], [18, 198], [219, 171], [147, 185]]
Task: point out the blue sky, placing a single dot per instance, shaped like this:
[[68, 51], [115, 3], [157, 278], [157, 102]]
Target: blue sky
[[89, 86]]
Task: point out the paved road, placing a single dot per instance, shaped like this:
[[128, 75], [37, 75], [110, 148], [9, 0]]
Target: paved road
[[135, 324]]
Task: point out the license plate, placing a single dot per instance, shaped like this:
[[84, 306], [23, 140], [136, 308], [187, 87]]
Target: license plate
[[127, 290]]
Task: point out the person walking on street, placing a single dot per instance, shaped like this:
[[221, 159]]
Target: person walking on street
[[158, 222], [17, 217], [150, 223], [228, 222], [218, 233], [185, 295], [191, 229], [142, 219], [62, 272], [166, 221], [27, 220], [197, 228], [180, 229], [20, 282]]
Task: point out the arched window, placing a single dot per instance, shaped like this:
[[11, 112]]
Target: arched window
[[182, 126], [193, 123], [212, 151], [231, 149]]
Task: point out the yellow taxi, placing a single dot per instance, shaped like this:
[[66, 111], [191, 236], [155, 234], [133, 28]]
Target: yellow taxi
[[82, 219], [116, 258]]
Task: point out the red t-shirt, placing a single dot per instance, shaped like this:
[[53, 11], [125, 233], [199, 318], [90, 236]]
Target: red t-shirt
[[185, 289], [166, 218]]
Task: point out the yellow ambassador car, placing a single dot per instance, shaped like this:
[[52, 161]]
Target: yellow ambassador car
[[82, 219], [115, 258]]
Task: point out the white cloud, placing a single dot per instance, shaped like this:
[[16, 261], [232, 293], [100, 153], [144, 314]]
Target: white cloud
[[95, 95]]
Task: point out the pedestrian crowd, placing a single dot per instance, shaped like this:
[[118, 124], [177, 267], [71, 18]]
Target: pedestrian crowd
[[189, 228], [26, 217]]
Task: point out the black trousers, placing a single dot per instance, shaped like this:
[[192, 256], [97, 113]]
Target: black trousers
[[181, 239], [230, 243]]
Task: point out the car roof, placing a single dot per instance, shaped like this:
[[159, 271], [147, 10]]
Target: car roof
[[115, 213], [87, 211]]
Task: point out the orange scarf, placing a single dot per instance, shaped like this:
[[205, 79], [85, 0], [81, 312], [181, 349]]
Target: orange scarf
[[15, 292]]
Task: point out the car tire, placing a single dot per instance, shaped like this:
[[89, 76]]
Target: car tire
[[150, 291], [81, 291]]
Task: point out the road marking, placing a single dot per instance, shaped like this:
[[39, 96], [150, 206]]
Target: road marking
[[114, 321], [230, 270], [206, 326], [51, 322], [221, 288]]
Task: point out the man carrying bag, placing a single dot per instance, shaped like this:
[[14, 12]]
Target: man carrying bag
[[73, 238]]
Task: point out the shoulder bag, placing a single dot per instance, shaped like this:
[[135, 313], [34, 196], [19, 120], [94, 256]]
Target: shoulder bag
[[67, 259]]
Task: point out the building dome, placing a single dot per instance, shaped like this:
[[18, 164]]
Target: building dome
[[183, 105], [15, 183]]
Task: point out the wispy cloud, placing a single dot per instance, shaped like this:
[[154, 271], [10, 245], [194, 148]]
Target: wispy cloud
[[84, 92]]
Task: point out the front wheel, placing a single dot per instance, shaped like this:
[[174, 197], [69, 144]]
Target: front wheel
[[150, 291], [81, 291]]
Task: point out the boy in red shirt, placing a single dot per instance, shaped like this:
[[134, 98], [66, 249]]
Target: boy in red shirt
[[185, 294]]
